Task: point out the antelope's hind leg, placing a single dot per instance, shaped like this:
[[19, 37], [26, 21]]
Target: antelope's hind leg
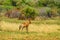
[[20, 27], [27, 28], [23, 27]]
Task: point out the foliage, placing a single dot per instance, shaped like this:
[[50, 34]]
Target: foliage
[[30, 12], [31, 6]]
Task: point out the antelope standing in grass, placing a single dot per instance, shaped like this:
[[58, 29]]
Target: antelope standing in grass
[[25, 25]]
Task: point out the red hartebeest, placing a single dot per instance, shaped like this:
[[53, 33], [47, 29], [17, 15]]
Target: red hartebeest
[[25, 25]]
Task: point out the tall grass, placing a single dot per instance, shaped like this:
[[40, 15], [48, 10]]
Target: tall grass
[[30, 36], [36, 31]]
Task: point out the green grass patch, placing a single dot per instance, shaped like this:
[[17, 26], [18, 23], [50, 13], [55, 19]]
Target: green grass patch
[[48, 21]]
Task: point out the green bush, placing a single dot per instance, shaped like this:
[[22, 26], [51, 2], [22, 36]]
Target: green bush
[[44, 12], [6, 2], [58, 12], [30, 12], [5, 8], [54, 12]]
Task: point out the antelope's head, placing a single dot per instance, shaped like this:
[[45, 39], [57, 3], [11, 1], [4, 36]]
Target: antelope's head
[[29, 20]]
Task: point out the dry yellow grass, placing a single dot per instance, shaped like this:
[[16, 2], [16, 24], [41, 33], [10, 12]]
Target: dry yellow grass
[[36, 32], [32, 27]]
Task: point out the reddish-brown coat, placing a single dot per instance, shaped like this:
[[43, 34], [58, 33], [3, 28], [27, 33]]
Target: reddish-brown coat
[[25, 25]]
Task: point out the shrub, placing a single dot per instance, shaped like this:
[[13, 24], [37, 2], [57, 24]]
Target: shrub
[[44, 12], [30, 12], [54, 12]]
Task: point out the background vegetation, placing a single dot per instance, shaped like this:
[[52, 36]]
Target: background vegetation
[[32, 8]]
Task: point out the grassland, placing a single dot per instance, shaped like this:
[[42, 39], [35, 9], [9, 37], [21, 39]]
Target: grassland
[[38, 30]]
